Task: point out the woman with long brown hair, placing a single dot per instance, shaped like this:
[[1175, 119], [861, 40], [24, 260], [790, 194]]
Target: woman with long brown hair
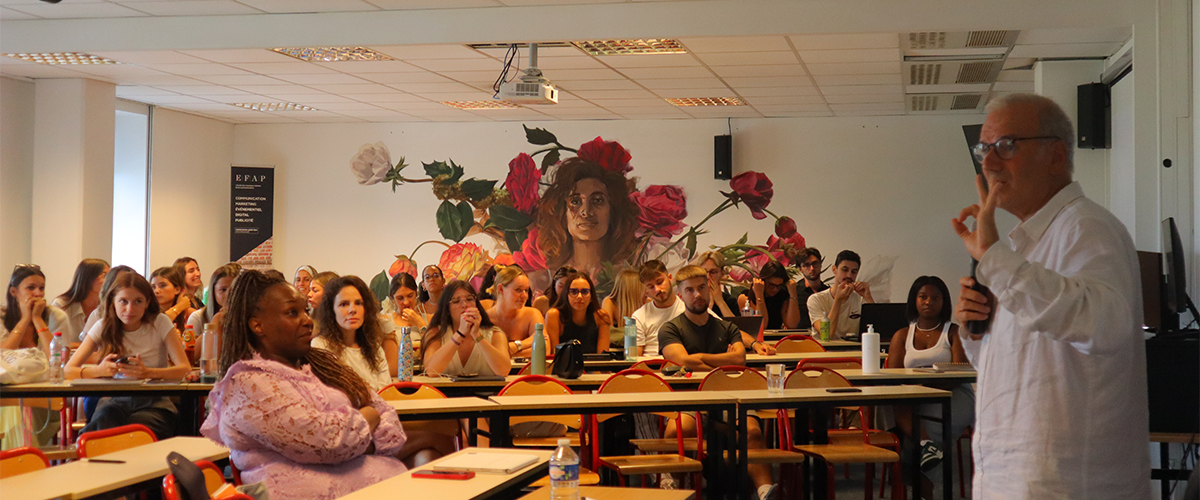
[[348, 325], [172, 296], [586, 218], [293, 416], [509, 312], [83, 297], [461, 338]]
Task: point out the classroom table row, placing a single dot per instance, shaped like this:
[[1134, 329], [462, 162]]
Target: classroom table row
[[753, 360]]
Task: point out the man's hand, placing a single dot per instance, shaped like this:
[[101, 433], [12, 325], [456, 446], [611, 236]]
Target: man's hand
[[985, 234], [841, 291], [863, 289], [763, 349], [972, 305]]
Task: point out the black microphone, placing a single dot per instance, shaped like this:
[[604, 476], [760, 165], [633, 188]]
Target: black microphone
[[979, 326]]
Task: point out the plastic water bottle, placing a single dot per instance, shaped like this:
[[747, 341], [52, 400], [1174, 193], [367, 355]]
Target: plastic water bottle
[[58, 357], [826, 326], [537, 356], [630, 339], [870, 351], [564, 472], [748, 311], [404, 371], [208, 354]]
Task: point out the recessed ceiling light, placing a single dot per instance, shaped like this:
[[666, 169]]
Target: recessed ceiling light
[[274, 106], [640, 46], [480, 104], [706, 101], [63, 58], [332, 54]]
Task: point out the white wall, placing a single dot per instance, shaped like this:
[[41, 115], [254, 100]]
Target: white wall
[[16, 171], [1060, 80], [884, 185], [189, 179]]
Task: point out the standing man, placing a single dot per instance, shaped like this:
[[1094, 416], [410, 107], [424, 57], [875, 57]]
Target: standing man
[[810, 260], [842, 302], [1061, 404]]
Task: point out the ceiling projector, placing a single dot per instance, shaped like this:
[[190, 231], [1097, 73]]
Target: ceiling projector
[[531, 88]]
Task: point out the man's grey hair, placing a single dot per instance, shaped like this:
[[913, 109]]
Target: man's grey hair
[[1052, 120]]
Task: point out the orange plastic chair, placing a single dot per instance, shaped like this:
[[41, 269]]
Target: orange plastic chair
[[213, 480], [790, 345], [656, 365], [541, 385], [528, 368], [18, 461], [400, 391], [796, 336], [103, 442]]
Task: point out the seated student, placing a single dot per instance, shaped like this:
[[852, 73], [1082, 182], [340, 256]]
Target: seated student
[[402, 308], [578, 316], [134, 340], [171, 295], [433, 280], [28, 322], [83, 296], [316, 289], [485, 288], [810, 260], [662, 307], [215, 299], [549, 297], [347, 324], [931, 338], [725, 305], [291, 415], [510, 313], [773, 294], [841, 302], [701, 342], [302, 278], [461, 338], [626, 297], [98, 312], [189, 270]]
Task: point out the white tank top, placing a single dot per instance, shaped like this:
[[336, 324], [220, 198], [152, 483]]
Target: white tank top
[[939, 353]]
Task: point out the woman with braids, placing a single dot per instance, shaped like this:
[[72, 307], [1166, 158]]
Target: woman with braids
[[586, 217], [293, 416], [348, 325]]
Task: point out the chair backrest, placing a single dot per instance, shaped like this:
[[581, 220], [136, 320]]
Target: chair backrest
[[834, 363], [815, 378], [654, 365], [787, 345], [103, 442], [733, 378], [796, 336], [528, 368], [399, 391], [631, 380], [21, 460], [540, 385], [213, 480]]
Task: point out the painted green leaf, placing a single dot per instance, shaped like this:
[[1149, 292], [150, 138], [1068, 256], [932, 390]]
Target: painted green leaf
[[539, 136], [456, 172], [477, 189], [436, 168], [550, 159], [509, 218], [380, 284], [691, 244], [515, 239], [745, 236], [454, 220]]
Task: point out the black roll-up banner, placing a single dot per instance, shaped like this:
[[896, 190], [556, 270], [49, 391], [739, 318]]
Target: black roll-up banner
[[251, 215]]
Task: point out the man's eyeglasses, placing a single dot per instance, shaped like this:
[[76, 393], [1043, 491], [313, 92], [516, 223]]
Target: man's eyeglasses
[[1005, 148], [815, 263], [580, 292]]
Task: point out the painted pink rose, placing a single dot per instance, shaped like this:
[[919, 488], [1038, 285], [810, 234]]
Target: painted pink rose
[[755, 190], [786, 249], [464, 261], [609, 155], [403, 264], [530, 257], [661, 209], [522, 183]]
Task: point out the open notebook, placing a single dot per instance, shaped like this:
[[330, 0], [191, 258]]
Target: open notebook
[[489, 463]]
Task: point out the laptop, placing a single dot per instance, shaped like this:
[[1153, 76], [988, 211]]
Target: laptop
[[887, 318], [748, 324]]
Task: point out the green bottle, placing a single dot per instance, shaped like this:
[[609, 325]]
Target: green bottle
[[538, 357]]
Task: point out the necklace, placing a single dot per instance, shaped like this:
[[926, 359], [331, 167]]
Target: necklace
[[938, 326]]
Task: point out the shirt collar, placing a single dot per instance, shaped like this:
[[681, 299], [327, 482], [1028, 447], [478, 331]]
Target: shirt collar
[[1036, 226]]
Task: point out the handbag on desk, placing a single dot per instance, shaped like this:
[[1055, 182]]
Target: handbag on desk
[[568, 360]]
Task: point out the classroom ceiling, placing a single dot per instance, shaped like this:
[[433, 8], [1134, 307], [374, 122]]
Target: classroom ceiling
[[775, 75]]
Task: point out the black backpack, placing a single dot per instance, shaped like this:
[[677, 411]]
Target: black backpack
[[568, 360]]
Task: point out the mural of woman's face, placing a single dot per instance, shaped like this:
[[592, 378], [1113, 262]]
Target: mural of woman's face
[[588, 210]]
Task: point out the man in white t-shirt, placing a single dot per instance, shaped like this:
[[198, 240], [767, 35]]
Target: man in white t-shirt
[[663, 306], [842, 301]]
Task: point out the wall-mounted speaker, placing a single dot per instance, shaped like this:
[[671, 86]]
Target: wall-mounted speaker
[[723, 157], [1093, 121]]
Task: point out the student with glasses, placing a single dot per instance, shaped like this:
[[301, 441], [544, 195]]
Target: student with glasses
[[509, 312], [433, 280], [810, 260], [578, 316], [461, 339], [774, 295]]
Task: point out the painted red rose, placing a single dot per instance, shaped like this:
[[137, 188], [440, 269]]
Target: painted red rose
[[662, 209], [755, 190], [786, 249], [530, 257], [785, 227], [609, 155], [522, 183]]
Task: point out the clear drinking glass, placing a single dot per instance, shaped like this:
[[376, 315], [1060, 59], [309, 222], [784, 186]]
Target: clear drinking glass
[[775, 378]]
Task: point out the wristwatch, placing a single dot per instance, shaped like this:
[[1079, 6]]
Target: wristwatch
[[518, 342]]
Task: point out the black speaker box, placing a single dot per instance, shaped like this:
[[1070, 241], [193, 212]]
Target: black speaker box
[[723, 157], [1173, 383], [1093, 125]]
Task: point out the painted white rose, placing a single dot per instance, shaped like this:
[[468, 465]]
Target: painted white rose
[[371, 164]]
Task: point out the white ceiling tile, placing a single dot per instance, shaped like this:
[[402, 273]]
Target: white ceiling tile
[[475, 76], [347, 89], [768, 81], [433, 4], [871, 112], [614, 94], [748, 58], [1104, 49], [596, 85], [203, 90], [8, 14], [735, 43], [1019, 62], [172, 99], [652, 114], [198, 69], [581, 74], [650, 73], [390, 78], [459, 64], [875, 68], [239, 79], [862, 89], [765, 108], [324, 79], [138, 90], [159, 80], [795, 99], [283, 68], [1013, 87], [457, 96], [1074, 35], [147, 57], [543, 52], [406, 107], [952, 88], [192, 8], [849, 56], [350, 106], [553, 63], [264, 118], [303, 6], [722, 111], [773, 70], [394, 96], [795, 114], [776, 91], [77, 10], [863, 98], [830, 80], [632, 103], [584, 114], [1016, 75], [874, 106], [415, 52], [240, 55], [846, 41], [649, 60], [118, 70], [277, 89], [712, 92], [39, 71], [205, 107], [683, 83], [314, 100], [356, 67], [432, 87]]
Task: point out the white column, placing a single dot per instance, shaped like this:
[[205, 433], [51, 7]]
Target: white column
[[16, 172], [72, 176]]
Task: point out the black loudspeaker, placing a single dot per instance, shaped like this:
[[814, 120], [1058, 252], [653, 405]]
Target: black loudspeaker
[[1094, 124], [723, 157]]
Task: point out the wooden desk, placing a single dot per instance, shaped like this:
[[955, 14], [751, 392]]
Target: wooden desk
[[189, 394], [479, 487], [433, 409], [585, 383], [791, 359], [147, 463], [896, 376], [610, 493]]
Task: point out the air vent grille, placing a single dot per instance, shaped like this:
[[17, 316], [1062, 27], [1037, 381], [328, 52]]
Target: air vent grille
[[541, 45], [989, 38], [966, 101], [924, 103], [927, 40], [975, 72], [925, 74]]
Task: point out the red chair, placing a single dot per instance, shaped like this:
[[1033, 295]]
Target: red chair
[[790, 345], [21, 460], [399, 391], [830, 363], [541, 385], [103, 442], [655, 365], [796, 336], [213, 480]]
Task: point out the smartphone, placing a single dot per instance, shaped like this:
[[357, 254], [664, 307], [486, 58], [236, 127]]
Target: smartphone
[[122, 361], [843, 389], [444, 474]]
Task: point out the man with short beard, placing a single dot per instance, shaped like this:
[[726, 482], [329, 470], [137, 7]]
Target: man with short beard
[[810, 261], [842, 301]]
